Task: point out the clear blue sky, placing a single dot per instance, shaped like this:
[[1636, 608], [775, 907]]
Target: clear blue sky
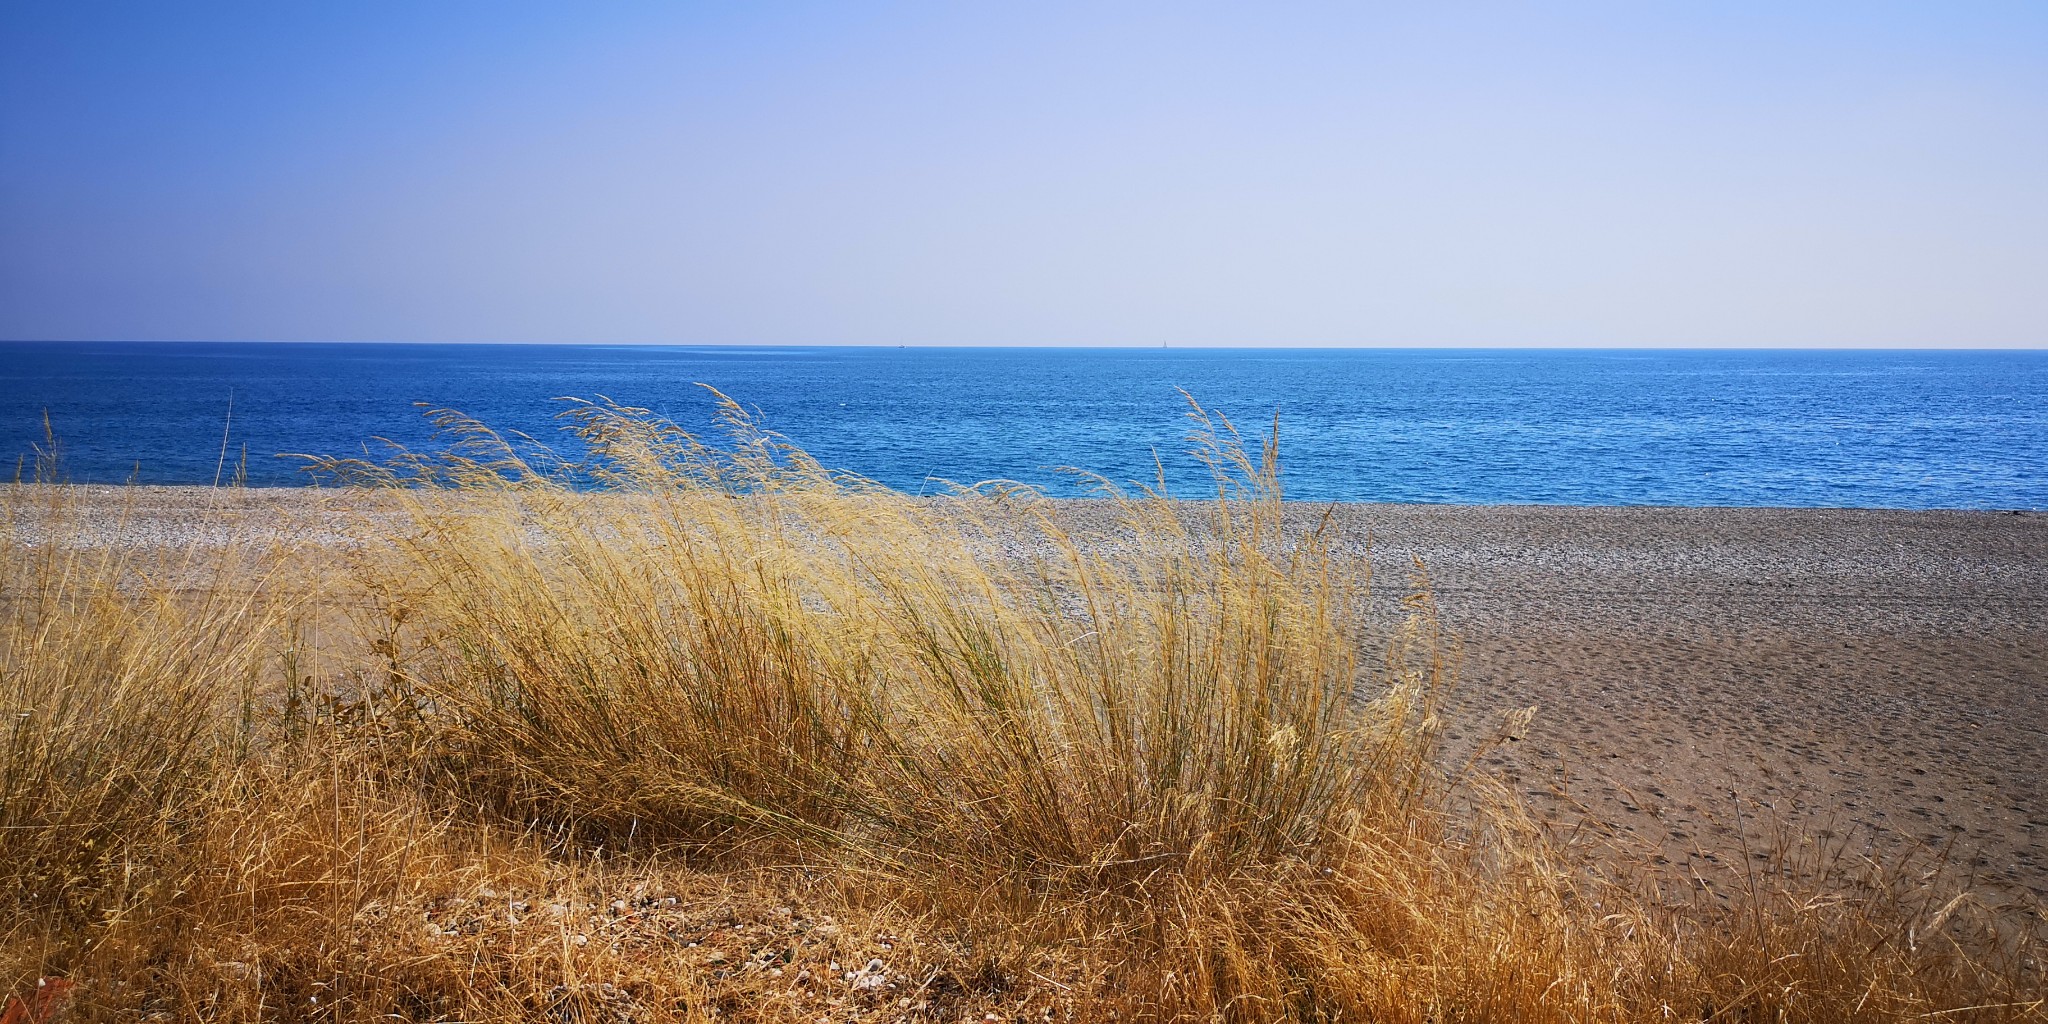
[[1637, 174]]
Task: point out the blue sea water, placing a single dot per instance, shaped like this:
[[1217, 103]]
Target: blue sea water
[[1583, 427]]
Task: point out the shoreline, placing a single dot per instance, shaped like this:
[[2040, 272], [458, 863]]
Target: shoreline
[[1879, 675], [311, 488]]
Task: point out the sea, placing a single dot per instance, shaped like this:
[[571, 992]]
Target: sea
[[1807, 428]]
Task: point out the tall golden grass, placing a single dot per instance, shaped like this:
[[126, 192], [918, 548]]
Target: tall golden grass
[[121, 695], [681, 730]]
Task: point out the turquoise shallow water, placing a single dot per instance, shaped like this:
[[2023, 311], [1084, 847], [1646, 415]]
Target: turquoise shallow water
[[1778, 428]]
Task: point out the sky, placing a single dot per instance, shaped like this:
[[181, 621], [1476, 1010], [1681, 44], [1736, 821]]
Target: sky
[[1863, 174]]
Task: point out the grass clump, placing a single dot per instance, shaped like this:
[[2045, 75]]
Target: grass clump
[[734, 642], [678, 730], [122, 682]]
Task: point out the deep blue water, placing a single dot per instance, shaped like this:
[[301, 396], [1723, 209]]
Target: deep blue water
[[1806, 428]]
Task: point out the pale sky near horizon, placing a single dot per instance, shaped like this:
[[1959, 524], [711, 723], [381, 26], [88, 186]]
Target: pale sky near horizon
[[1571, 174]]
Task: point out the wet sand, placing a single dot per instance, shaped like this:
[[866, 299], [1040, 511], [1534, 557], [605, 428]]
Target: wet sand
[[1698, 673]]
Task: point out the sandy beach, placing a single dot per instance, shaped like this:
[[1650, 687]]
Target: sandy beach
[[1878, 675], [1703, 677]]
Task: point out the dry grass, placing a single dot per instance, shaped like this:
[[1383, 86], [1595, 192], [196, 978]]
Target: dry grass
[[122, 695], [688, 732]]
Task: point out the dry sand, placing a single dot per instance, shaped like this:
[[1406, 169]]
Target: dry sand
[[1877, 674], [1699, 673]]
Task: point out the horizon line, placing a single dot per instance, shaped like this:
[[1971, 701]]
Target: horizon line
[[1101, 346]]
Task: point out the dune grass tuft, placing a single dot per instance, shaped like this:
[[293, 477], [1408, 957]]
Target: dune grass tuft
[[123, 682]]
